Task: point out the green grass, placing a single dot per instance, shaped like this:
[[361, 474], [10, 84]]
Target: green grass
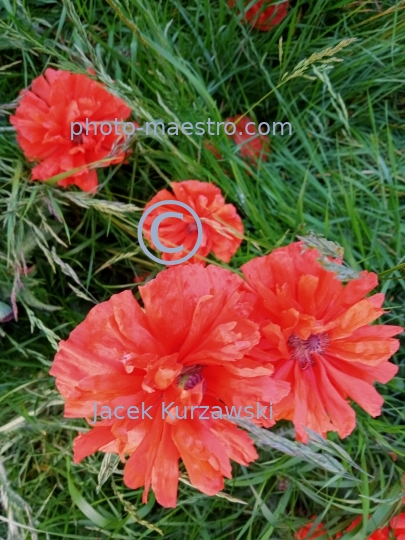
[[341, 174]]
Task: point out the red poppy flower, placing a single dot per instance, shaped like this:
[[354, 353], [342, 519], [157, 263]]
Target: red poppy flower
[[222, 226], [397, 524], [380, 534], [317, 331], [252, 144], [43, 121], [184, 351], [264, 15], [302, 534]]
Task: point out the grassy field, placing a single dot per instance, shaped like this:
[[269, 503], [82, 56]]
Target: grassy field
[[340, 174]]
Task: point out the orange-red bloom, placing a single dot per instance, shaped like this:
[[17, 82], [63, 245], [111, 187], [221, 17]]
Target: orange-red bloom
[[397, 524], [262, 15], [303, 533], [252, 145], [222, 226], [186, 348], [317, 331], [43, 124], [380, 534]]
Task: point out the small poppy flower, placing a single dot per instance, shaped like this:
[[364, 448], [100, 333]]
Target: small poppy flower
[[184, 354], [264, 14], [317, 332], [45, 131], [222, 226], [397, 524], [380, 534], [252, 145], [304, 532]]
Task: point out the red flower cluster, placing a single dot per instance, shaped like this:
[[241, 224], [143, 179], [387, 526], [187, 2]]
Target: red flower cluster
[[379, 534], [43, 124], [397, 525], [291, 334], [318, 531], [264, 14], [222, 226]]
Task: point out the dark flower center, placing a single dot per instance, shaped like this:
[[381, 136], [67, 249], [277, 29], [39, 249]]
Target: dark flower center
[[303, 349], [77, 139], [190, 377], [191, 227]]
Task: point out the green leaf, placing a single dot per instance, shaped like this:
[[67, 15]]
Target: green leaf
[[30, 299], [268, 439], [87, 509]]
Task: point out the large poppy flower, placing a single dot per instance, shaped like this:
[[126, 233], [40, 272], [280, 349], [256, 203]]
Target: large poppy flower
[[397, 524], [264, 14], [222, 226], [46, 133], [317, 331], [185, 350]]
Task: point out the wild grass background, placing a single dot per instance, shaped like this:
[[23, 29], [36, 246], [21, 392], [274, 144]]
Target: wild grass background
[[341, 174]]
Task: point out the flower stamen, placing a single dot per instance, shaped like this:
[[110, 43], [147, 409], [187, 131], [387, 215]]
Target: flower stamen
[[77, 139], [190, 377], [191, 227], [303, 349]]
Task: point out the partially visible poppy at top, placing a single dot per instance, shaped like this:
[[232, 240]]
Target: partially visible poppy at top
[[221, 223], [187, 348], [318, 333], [264, 14], [43, 124], [397, 524], [304, 532]]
